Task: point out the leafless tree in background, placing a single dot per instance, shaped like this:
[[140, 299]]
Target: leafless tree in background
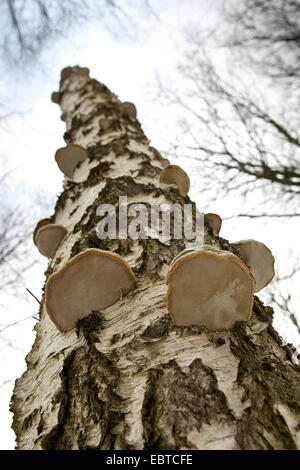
[[239, 101], [268, 34], [28, 25]]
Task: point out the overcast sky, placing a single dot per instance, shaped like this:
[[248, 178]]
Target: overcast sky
[[28, 144]]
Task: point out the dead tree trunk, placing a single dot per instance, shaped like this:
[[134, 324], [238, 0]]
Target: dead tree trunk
[[127, 378]]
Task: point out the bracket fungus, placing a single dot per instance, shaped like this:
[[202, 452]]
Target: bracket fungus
[[67, 71], [214, 221], [56, 97], [182, 253], [174, 174], [259, 259], [39, 225], [209, 287], [104, 124], [128, 110], [67, 158], [165, 162], [48, 237], [91, 281]]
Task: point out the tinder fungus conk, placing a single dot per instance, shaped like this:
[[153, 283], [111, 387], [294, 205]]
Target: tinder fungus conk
[[92, 280], [214, 221], [209, 287], [67, 158], [56, 97], [39, 225], [173, 174], [105, 124], [48, 237], [128, 110], [259, 259]]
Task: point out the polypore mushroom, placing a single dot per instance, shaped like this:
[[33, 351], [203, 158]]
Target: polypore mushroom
[[214, 221], [165, 162], [183, 253], [39, 225], [128, 110], [67, 71], [48, 237], [91, 281], [67, 158], [56, 97], [259, 259], [104, 124], [173, 174], [209, 287]]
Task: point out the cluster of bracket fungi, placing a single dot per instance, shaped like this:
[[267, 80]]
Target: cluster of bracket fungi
[[206, 286]]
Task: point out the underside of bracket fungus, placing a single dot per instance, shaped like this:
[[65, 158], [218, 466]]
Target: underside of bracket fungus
[[91, 281], [67, 158], [183, 253], [174, 174], [67, 71], [259, 259], [39, 225], [104, 124], [128, 110], [56, 97], [209, 287], [165, 162], [214, 221], [48, 237]]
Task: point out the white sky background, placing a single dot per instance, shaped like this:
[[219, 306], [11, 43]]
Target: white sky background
[[29, 144]]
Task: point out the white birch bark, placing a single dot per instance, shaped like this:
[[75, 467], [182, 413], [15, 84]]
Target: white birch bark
[[127, 378]]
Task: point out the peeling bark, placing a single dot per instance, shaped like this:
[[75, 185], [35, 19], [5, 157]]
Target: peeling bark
[[127, 378]]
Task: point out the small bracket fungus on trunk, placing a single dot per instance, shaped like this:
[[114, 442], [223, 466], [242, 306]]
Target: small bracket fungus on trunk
[[39, 225], [92, 280], [56, 97], [128, 110], [209, 287], [104, 124], [173, 174], [165, 162], [182, 253], [48, 237], [67, 71], [259, 259], [67, 158], [214, 221]]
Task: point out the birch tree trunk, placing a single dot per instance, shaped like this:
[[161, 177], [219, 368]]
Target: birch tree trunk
[[126, 378]]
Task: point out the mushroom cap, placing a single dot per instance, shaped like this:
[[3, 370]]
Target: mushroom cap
[[128, 110], [183, 253], [67, 158], [39, 225], [259, 259], [214, 221], [55, 97], [67, 71], [165, 162], [104, 124], [92, 280], [48, 237], [174, 174], [209, 287]]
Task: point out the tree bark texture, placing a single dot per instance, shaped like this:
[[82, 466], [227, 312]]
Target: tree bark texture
[[127, 378]]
